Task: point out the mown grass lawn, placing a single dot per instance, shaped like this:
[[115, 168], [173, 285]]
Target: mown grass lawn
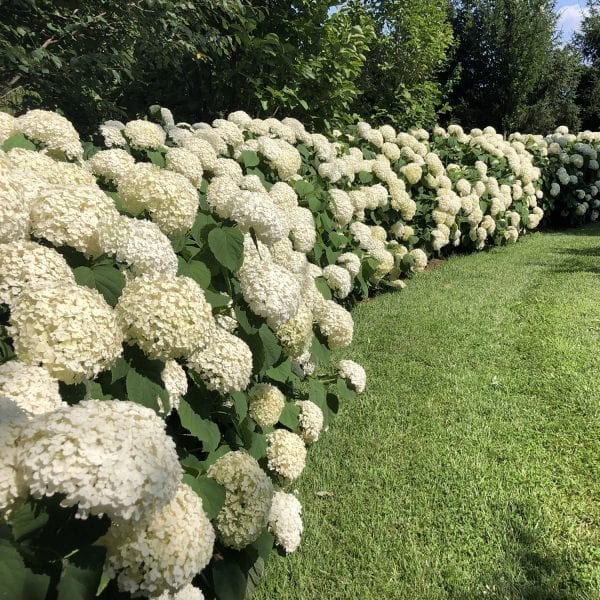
[[471, 466]]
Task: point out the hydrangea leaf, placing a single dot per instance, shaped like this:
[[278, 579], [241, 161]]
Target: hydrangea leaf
[[12, 572], [17, 141], [227, 246], [81, 574], [211, 493], [289, 416], [196, 270], [229, 580], [202, 429]]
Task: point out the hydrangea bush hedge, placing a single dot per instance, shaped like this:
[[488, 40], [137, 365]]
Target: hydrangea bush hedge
[[166, 295]]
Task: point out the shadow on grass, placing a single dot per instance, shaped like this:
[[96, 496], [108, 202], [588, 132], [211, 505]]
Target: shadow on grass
[[533, 571], [578, 260]]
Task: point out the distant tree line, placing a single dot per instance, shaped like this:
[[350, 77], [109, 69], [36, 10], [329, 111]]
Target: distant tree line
[[405, 62]]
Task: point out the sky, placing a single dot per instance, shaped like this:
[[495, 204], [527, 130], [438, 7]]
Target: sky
[[570, 15]]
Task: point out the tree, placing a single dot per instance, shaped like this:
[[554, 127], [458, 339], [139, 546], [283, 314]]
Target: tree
[[587, 41], [504, 49], [400, 79]]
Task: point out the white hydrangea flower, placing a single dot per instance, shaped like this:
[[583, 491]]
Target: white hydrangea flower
[[350, 262], [341, 206], [14, 206], [32, 388], [224, 363], [13, 420], [111, 164], [164, 552], [335, 323], [167, 317], [175, 381], [295, 336], [108, 457], [271, 291], [140, 244], [339, 280], [302, 229], [248, 494], [413, 172], [8, 126], [285, 521], [266, 404], [284, 196], [209, 135], [283, 254], [187, 592], [354, 374], [226, 167], [70, 215], [311, 421], [284, 158], [169, 197], [256, 210], [286, 454], [420, 259], [25, 263], [52, 130], [67, 328], [240, 118], [186, 163], [112, 132], [229, 132], [203, 151], [144, 135], [222, 196]]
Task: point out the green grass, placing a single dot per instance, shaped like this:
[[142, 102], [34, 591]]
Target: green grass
[[470, 467]]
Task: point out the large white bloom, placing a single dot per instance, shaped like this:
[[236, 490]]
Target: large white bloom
[[70, 215], [67, 328], [350, 262], [224, 363], [167, 317], [354, 374], [296, 334], [311, 421], [338, 279], [248, 493], [175, 381], [140, 244], [32, 388], [186, 163], [25, 263], [256, 210], [302, 229], [271, 291], [286, 454], [52, 130], [106, 456], [335, 323], [165, 552], [285, 521], [111, 164], [169, 197], [14, 207], [266, 404], [12, 422], [144, 135]]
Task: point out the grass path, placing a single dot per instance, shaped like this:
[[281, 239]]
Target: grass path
[[471, 467]]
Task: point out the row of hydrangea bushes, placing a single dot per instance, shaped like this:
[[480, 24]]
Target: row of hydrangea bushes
[[170, 294]]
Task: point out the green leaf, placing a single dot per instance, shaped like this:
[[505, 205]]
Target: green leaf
[[289, 416], [17, 141], [317, 393], [319, 351], [282, 372], [81, 574], [215, 299], [12, 572], [344, 391], [108, 280], [229, 580], [202, 224], [271, 350], [156, 158], [302, 187], [196, 270], [250, 158], [227, 246], [211, 492], [365, 177], [144, 391], [240, 403], [322, 286], [28, 519], [202, 429], [119, 369], [36, 585]]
